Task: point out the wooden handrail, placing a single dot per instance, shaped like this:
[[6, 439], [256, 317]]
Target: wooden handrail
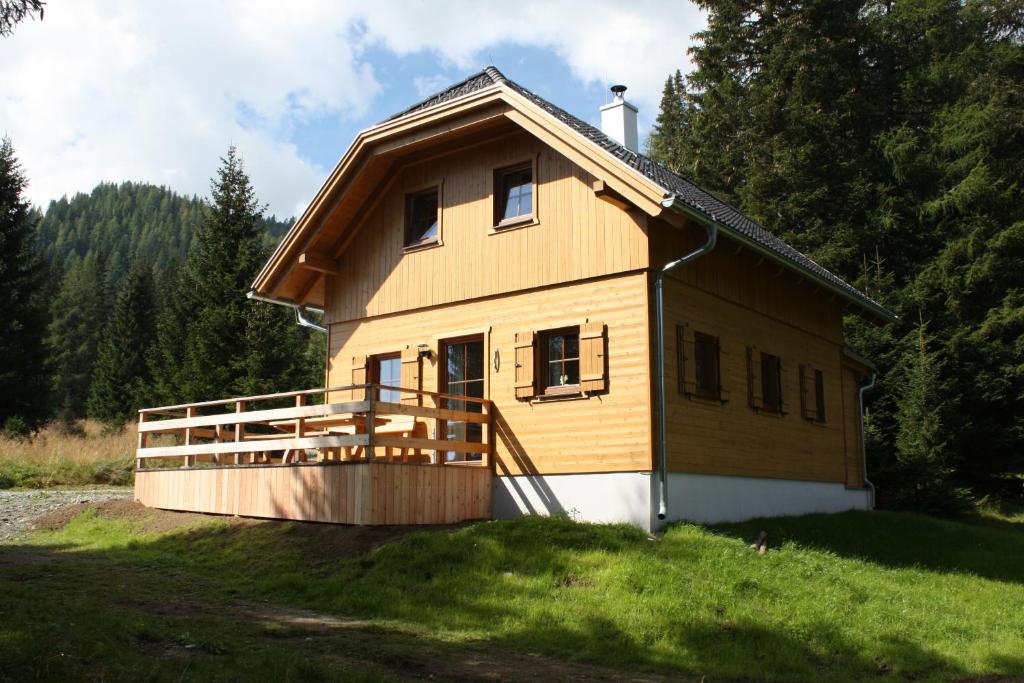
[[262, 397], [293, 446]]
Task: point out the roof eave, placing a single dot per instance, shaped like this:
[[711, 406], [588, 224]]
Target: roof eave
[[675, 204]]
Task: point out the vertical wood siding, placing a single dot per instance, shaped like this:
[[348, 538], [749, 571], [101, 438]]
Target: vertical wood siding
[[350, 493], [576, 236]]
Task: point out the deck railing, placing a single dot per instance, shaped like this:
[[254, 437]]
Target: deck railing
[[346, 423]]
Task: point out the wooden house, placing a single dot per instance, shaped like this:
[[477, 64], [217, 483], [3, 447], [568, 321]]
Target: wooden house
[[488, 266]]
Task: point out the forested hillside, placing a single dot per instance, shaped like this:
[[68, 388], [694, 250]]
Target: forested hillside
[[125, 222], [886, 140], [133, 295]]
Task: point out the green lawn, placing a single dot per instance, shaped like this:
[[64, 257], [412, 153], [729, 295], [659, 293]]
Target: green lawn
[[878, 596]]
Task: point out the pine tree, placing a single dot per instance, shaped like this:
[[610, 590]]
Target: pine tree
[[77, 317], [924, 458], [120, 378], [667, 140], [214, 341], [24, 385]]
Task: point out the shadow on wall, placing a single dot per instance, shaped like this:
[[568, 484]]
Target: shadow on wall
[[523, 486]]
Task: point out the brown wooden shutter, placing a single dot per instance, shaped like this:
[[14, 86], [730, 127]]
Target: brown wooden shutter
[[411, 375], [806, 397], [755, 395], [723, 384], [358, 376], [687, 354], [526, 386], [592, 357]]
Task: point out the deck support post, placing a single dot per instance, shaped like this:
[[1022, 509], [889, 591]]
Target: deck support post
[[142, 440], [239, 430], [371, 398], [189, 459]]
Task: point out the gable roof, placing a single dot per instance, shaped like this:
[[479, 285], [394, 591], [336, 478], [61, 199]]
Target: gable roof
[[726, 216]]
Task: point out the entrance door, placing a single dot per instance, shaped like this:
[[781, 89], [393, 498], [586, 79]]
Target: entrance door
[[462, 373]]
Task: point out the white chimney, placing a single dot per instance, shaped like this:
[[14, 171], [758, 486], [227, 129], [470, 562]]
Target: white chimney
[[618, 120]]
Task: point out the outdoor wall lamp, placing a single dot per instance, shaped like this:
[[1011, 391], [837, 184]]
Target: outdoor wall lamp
[[424, 350]]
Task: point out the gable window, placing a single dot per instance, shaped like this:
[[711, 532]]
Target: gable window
[[513, 195], [421, 218], [560, 361], [771, 383], [705, 364], [387, 371]]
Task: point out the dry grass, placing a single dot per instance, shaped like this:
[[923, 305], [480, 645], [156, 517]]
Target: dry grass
[[56, 456]]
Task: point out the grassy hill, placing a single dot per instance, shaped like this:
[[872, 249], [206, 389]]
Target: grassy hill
[[122, 592]]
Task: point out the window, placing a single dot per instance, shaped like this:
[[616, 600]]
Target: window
[[705, 365], [387, 371], [771, 383], [819, 391], [513, 195], [560, 361], [421, 218]]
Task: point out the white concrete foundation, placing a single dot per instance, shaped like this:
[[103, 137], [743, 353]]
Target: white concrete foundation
[[632, 497], [711, 499], [609, 497]]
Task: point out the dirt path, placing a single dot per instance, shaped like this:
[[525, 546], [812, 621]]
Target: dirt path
[[18, 509]]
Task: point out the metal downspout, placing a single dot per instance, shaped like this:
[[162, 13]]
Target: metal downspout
[[711, 230], [864, 388], [300, 319]]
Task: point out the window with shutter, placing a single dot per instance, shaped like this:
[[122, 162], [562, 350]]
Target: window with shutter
[[385, 370], [771, 383], [812, 393], [686, 353], [525, 384]]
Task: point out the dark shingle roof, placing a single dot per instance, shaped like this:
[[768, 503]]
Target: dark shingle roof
[[685, 190]]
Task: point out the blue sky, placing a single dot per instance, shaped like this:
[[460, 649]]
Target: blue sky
[[102, 90]]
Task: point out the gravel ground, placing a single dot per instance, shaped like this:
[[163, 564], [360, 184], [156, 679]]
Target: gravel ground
[[18, 509]]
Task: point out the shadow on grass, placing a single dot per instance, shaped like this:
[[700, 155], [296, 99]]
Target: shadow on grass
[[145, 605], [991, 549]]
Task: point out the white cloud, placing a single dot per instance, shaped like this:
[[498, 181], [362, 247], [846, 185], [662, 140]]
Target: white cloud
[[149, 91]]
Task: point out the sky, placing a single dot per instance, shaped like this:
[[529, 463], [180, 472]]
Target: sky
[[156, 91]]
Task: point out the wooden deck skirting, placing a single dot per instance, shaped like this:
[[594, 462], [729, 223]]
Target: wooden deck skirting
[[361, 461], [343, 493]]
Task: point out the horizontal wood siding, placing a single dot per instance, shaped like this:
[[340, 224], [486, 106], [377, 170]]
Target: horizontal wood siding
[[606, 432], [350, 493], [746, 301], [576, 236]]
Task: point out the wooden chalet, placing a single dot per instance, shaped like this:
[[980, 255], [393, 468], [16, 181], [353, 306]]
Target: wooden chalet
[[488, 268]]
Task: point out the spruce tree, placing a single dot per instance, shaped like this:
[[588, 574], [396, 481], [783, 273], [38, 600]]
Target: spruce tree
[[667, 140], [213, 341], [77, 317], [120, 378], [24, 385]]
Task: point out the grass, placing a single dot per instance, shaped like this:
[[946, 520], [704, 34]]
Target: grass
[[57, 457], [880, 596]]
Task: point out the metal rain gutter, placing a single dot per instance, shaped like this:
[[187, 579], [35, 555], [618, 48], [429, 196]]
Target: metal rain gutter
[[863, 389], [711, 230], [300, 319]]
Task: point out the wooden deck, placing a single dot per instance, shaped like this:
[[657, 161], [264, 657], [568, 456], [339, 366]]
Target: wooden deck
[[360, 461]]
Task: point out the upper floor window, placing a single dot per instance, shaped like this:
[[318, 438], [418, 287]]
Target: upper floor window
[[812, 393], [771, 383], [421, 217], [513, 193], [560, 360]]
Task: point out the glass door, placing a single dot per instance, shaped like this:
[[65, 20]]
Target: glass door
[[462, 374]]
